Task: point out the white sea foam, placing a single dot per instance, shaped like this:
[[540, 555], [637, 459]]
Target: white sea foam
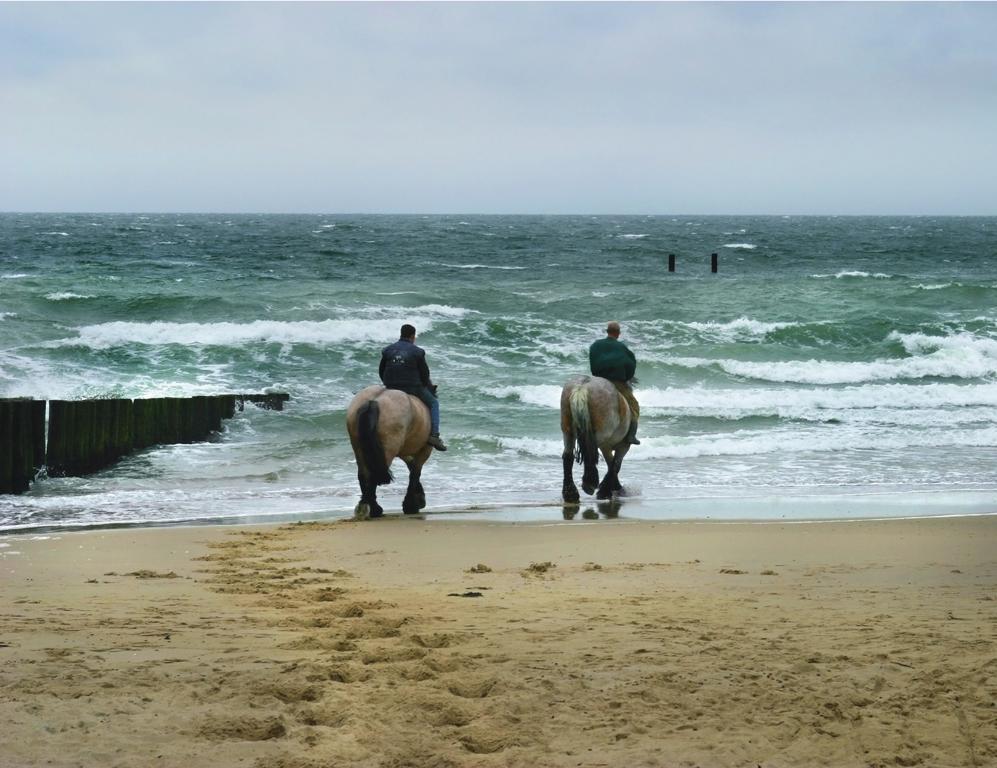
[[960, 355], [857, 274], [59, 234], [788, 401], [935, 287], [476, 266], [754, 443], [750, 443], [741, 246], [444, 309], [14, 276], [5, 315], [632, 237], [547, 395], [740, 328], [320, 333], [66, 296], [953, 363], [905, 404], [962, 342]]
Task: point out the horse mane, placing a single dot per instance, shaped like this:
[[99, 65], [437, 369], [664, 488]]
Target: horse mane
[[376, 468]]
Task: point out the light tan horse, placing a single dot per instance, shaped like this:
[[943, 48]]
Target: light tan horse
[[594, 418], [385, 424]]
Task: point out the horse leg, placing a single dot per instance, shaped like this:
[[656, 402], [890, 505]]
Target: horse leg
[[367, 507], [590, 478], [569, 491], [415, 496], [611, 482]]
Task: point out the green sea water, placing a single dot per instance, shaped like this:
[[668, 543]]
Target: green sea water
[[833, 367]]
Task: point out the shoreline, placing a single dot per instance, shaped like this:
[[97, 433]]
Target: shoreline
[[756, 507], [445, 518], [406, 643], [454, 517]]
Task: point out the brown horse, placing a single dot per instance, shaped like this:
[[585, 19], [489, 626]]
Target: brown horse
[[594, 418], [385, 424]]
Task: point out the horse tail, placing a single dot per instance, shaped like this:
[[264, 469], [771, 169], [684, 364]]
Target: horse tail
[[586, 448], [371, 449]]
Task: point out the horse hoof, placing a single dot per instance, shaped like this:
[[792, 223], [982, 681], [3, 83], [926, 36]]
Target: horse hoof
[[361, 512], [589, 489]]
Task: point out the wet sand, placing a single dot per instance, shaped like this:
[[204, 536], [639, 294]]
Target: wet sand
[[405, 642]]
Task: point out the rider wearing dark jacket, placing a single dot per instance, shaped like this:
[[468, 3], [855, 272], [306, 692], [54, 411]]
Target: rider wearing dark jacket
[[613, 360], [403, 366]]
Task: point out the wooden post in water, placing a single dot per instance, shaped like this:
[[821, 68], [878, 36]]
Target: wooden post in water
[[671, 262], [713, 263], [6, 447]]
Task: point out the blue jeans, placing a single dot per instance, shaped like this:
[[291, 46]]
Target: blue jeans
[[434, 406]]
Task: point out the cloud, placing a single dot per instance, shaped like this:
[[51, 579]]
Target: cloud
[[561, 107]]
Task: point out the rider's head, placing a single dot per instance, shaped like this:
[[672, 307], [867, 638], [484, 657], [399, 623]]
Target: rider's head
[[613, 329], [408, 331]]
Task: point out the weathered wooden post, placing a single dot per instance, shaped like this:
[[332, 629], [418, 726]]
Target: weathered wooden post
[[140, 424], [713, 263], [124, 419], [671, 262], [6, 447], [24, 449], [86, 440], [201, 415]]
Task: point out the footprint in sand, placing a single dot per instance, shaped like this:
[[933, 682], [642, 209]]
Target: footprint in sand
[[243, 728], [472, 689]]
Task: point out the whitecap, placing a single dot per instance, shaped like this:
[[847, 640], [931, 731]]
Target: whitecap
[[857, 273], [5, 315], [67, 295], [546, 395], [791, 402], [631, 237], [14, 276], [741, 246], [475, 266], [740, 328], [958, 356], [442, 309], [60, 234], [318, 333]]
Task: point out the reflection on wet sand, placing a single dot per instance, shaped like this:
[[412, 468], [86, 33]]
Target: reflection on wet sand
[[608, 509]]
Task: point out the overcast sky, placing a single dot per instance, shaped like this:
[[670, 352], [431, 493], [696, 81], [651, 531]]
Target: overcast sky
[[499, 108]]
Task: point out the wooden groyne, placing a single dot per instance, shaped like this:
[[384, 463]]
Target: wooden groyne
[[85, 436]]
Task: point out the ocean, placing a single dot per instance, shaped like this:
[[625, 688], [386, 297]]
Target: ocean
[[834, 367]]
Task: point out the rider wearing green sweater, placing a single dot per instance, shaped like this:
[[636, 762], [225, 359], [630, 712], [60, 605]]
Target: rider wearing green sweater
[[611, 359]]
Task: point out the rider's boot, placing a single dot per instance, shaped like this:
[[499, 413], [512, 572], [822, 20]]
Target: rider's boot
[[632, 434], [435, 441]]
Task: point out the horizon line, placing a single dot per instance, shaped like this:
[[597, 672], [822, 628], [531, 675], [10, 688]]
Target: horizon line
[[467, 213]]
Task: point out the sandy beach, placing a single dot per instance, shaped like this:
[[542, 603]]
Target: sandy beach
[[406, 642]]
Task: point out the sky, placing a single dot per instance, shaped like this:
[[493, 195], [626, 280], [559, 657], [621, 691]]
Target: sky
[[532, 108]]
